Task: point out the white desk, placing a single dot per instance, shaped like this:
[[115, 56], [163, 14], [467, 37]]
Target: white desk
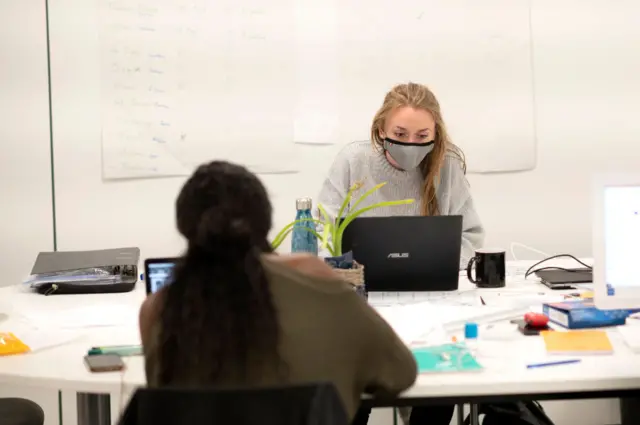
[[62, 367]]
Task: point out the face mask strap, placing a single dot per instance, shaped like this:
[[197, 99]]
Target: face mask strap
[[399, 143]]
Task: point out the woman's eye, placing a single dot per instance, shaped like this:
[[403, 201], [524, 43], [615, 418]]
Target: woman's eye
[[400, 135], [423, 136]]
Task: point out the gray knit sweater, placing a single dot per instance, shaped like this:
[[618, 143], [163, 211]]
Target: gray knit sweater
[[359, 161]]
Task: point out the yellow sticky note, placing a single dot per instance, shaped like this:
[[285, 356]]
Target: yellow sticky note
[[10, 344]]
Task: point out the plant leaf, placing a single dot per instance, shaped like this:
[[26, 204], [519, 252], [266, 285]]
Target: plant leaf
[[282, 234], [345, 204], [277, 241], [328, 226], [326, 233], [361, 211], [337, 233], [313, 232], [367, 194]]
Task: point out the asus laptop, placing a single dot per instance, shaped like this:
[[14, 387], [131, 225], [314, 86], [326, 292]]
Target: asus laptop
[[413, 254]]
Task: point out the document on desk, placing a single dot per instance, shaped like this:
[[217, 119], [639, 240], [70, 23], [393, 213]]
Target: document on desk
[[456, 298], [38, 340], [424, 322], [522, 298], [413, 322], [83, 317]]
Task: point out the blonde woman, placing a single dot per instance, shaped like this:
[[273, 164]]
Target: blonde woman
[[411, 151]]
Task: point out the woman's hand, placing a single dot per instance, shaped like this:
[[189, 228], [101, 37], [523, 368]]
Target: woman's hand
[[305, 263]]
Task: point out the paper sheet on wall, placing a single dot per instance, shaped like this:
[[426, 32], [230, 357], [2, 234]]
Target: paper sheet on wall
[[189, 82]]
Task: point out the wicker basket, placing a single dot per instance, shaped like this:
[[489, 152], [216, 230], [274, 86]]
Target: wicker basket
[[354, 276]]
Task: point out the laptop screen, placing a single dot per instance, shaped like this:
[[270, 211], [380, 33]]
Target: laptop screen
[[159, 275], [621, 233]]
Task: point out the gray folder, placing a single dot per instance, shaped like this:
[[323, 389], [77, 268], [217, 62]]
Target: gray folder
[[61, 261]]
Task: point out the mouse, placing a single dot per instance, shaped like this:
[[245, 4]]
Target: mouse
[[536, 320]]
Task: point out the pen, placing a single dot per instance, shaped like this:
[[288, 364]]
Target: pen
[[557, 363]]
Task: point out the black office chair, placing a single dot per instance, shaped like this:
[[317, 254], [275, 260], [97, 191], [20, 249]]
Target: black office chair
[[313, 404]]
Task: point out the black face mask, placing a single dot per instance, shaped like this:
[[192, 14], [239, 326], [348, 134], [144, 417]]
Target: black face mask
[[407, 155]]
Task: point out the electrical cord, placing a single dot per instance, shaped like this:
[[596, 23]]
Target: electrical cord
[[527, 247], [533, 268]]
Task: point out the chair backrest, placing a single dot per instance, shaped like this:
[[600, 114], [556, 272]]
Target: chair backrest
[[313, 404]]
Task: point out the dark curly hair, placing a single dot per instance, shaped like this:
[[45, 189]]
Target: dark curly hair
[[218, 318]]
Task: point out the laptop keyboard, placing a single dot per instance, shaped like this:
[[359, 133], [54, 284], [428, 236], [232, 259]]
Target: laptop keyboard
[[456, 297]]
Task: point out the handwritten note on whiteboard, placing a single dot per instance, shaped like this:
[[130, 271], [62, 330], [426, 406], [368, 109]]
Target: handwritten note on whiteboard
[[185, 82], [271, 84]]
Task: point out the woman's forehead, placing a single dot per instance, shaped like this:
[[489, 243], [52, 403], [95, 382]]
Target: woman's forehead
[[410, 119]]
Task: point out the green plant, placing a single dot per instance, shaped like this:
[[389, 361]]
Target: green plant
[[333, 229]]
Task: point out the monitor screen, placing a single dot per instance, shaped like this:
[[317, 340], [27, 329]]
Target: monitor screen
[[621, 238], [159, 275]]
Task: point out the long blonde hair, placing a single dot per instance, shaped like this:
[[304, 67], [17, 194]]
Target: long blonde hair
[[418, 96]]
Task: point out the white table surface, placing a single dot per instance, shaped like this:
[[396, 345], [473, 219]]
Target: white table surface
[[505, 360]]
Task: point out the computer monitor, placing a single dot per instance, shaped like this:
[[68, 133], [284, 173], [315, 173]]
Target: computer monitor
[[616, 241]]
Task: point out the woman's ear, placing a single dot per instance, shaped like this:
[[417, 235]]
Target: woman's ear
[[381, 134]]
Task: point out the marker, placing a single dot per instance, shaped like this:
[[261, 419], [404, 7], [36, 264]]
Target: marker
[[120, 350], [558, 363]]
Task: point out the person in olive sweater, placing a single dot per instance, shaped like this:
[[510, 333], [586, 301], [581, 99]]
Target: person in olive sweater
[[236, 314]]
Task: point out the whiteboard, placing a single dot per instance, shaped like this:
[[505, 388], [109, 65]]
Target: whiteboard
[[26, 212], [272, 84]]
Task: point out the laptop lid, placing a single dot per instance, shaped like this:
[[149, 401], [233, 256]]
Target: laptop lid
[[563, 277], [62, 261], [407, 253], [158, 273]]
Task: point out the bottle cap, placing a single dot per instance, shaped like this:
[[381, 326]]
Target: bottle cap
[[470, 331], [303, 203]]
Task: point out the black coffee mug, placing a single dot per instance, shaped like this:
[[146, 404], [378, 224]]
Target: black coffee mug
[[490, 268]]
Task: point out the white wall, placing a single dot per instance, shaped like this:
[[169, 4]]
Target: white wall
[[25, 172], [587, 69], [25, 175], [587, 77], [585, 65]]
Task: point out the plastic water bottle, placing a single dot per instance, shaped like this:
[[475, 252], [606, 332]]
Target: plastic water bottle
[[302, 240]]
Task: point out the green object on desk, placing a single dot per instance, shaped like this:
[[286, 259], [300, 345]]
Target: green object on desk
[[120, 350], [445, 358]]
